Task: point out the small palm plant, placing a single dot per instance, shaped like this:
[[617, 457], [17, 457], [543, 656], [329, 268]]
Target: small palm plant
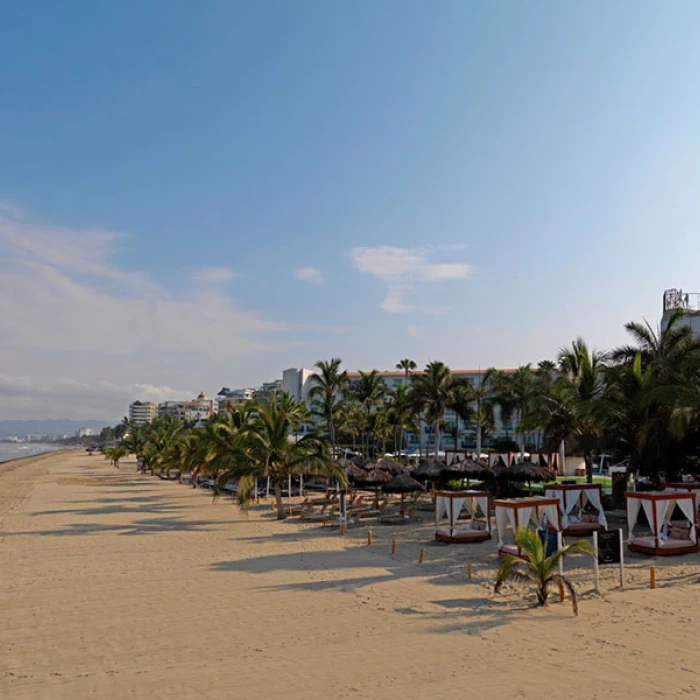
[[539, 569]]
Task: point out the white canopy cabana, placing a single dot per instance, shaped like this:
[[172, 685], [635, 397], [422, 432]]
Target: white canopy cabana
[[449, 505], [533, 512], [668, 537], [573, 499]]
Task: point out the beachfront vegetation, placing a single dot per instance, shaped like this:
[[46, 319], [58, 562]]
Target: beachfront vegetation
[[240, 447], [538, 569], [640, 402]]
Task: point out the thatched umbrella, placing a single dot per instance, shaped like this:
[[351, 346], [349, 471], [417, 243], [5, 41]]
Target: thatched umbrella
[[428, 471], [525, 471], [391, 466], [468, 469], [354, 473], [403, 484]]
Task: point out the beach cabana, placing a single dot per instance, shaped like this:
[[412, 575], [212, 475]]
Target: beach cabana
[[692, 486], [448, 507], [668, 537], [573, 499], [533, 512]]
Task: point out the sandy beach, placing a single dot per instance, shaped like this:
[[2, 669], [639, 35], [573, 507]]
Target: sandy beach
[[118, 585]]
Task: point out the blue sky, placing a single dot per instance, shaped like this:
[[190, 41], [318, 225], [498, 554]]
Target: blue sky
[[199, 194]]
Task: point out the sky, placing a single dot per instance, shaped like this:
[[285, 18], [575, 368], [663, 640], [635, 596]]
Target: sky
[[197, 195]]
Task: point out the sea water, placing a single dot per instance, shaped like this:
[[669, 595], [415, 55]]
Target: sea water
[[15, 450]]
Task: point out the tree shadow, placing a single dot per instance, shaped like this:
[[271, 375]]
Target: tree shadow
[[138, 527]]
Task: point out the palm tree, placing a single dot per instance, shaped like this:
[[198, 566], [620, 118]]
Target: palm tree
[[265, 450], [369, 391], [460, 401], [407, 366], [401, 408], [115, 454], [664, 348], [432, 392], [577, 404], [328, 384], [502, 389], [538, 569], [483, 413]]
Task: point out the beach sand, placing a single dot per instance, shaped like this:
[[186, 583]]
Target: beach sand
[[119, 585]]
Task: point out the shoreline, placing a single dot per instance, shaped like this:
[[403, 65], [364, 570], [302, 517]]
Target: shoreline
[[38, 455]]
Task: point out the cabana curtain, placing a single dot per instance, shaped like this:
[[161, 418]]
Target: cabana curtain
[[633, 505]]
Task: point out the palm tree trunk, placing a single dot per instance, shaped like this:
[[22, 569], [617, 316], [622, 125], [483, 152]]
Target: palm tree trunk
[[478, 431], [437, 438], [281, 514], [588, 459]]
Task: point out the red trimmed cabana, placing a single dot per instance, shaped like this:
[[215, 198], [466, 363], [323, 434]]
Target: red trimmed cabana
[[449, 505], [536, 511], [573, 499], [668, 537]]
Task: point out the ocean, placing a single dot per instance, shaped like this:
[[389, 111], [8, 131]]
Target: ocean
[[14, 450]]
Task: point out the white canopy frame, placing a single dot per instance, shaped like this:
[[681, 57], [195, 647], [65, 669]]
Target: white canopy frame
[[576, 496], [534, 512], [659, 507], [449, 505]]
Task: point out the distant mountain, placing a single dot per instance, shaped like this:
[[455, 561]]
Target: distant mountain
[[9, 428]]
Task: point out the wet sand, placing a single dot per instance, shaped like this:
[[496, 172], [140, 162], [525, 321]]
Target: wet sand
[[118, 585]]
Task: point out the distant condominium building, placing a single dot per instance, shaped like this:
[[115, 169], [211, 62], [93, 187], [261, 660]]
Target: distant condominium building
[[233, 398], [86, 432], [267, 390], [142, 412], [298, 383], [196, 410]]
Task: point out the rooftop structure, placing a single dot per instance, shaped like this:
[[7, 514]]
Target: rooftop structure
[[689, 302]]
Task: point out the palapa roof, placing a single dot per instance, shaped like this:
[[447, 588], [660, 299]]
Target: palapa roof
[[403, 483], [467, 469], [429, 470], [377, 477]]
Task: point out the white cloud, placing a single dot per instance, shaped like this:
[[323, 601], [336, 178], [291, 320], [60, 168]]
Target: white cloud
[[401, 269], [311, 275], [68, 398], [213, 275], [413, 330], [68, 311]]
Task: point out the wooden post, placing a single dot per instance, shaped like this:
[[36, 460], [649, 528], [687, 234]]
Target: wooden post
[[272, 505], [421, 555], [469, 571], [342, 529], [267, 488], [562, 593], [652, 577], [393, 546], [301, 485], [290, 510], [369, 537], [596, 567], [622, 559], [560, 545]]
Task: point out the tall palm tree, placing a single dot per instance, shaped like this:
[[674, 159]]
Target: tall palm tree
[[369, 390], [432, 389], [265, 450], [401, 406], [483, 413], [539, 569], [664, 347], [328, 385], [407, 366], [577, 404], [502, 389], [460, 401]]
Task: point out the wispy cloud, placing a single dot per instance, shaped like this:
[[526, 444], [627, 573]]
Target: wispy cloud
[[67, 309], [401, 269], [213, 275], [312, 275]]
